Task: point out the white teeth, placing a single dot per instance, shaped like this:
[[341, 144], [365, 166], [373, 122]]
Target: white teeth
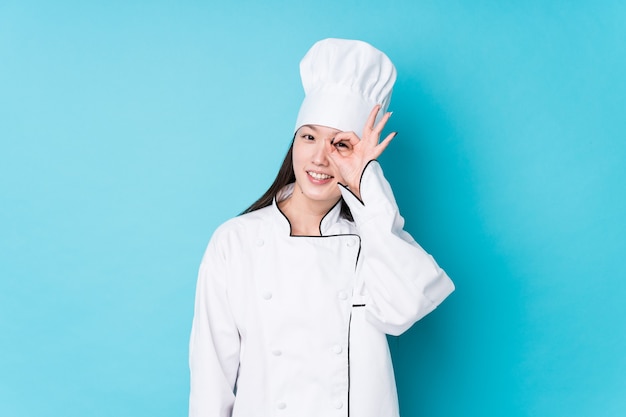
[[319, 176]]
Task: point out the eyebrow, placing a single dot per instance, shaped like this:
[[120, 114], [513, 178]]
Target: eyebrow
[[312, 127]]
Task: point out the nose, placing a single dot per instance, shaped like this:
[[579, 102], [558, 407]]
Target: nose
[[323, 148]]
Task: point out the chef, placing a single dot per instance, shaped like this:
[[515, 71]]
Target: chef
[[295, 297]]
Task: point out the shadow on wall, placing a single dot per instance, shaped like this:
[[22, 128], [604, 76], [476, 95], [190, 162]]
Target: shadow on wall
[[470, 348]]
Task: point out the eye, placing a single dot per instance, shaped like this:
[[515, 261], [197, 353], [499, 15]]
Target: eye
[[307, 137], [342, 146]]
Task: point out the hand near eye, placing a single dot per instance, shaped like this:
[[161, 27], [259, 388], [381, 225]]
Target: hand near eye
[[350, 154]]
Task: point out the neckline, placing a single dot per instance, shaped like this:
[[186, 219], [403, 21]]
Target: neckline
[[328, 220]]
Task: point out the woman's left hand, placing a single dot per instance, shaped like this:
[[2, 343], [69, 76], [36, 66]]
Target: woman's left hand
[[350, 154]]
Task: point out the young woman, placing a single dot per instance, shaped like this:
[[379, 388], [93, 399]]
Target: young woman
[[295, 297]]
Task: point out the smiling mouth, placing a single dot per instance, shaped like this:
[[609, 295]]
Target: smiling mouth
[[319, 176]]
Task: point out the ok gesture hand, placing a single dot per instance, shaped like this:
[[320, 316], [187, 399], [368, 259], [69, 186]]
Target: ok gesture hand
[[350, 154]]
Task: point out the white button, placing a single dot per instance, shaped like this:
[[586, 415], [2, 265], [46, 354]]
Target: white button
[[337, 349], [351, 243], [342, 295], [277, 352], [281, 406], [338, 404], [267, 295], [260, 242]]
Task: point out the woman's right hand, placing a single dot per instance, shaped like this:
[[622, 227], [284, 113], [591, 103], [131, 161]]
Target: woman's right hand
[[350, 154]]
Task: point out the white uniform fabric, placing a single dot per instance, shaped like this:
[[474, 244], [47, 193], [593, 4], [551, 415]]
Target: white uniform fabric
[[295, 326]]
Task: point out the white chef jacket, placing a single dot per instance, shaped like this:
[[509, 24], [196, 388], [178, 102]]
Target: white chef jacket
[[295, 325]]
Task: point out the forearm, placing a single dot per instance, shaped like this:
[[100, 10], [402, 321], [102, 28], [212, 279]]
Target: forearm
[[397, 280]]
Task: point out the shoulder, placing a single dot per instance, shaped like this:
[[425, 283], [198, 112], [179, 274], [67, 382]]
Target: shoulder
[[254, 219], [241, 228]]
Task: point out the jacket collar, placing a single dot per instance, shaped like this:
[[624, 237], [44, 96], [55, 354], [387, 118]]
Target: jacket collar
[[330, 219]]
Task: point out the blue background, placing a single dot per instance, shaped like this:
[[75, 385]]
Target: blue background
[[130, 129]]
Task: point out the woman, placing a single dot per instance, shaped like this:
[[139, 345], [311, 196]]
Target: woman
[[295, 296]]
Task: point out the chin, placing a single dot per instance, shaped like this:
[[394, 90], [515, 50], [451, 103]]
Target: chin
[[331, 200]]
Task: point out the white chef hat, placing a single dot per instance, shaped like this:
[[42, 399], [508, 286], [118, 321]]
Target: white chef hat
[[343, 80]]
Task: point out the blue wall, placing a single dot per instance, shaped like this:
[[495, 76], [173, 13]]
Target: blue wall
[[129, 130]]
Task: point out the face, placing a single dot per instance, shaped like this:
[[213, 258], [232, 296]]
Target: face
[[316, 175]]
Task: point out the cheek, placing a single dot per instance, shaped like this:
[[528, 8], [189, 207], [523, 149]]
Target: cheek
[[336, 173], [297, 156]]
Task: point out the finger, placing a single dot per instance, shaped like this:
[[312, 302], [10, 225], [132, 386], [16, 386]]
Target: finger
[[385, 142], [381, 124], [332, 155], [349, 137], [371, 119], [336, 159]]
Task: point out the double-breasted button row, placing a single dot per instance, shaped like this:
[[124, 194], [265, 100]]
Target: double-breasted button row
[[337, 349], [338, 404], [342, 295]]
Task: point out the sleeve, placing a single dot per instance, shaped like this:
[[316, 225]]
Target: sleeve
[[214, 343], [398, 282]]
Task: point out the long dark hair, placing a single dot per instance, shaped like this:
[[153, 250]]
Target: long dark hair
[[286, 176]]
